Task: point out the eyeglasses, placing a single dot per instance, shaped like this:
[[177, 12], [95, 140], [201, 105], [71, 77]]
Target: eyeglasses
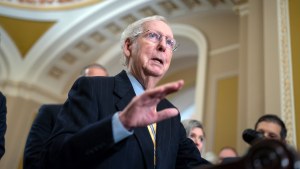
[[156, 37]]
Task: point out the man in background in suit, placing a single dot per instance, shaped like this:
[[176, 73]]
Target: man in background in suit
[[124, 121], [45, 120], [271, 127], [2, 123], [94, 70]]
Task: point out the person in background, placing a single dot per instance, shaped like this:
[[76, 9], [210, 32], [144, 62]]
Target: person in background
[[124, 121], [272, 127], [94, 69], [2, 124], [227, 154], [45, 120], [194, 130]]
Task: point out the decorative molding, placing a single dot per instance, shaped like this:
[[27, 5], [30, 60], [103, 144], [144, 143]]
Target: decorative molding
[[83, 47], [69, 58], [214, 3], [241, 7], [30, 92], [148, 11], [286, 78], [241, 10], [169, 6], [211, 110], [48, 4], [191, 4], [198, 37], [224, 49], [56, 72], [98, 37], [114, 29]]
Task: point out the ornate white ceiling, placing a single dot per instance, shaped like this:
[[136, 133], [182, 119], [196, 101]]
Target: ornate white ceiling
[[89, 33]]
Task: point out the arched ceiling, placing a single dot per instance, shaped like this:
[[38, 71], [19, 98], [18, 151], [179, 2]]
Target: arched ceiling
[[44, 44]]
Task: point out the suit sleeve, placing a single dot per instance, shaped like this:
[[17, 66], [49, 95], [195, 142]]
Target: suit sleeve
[[39, 133], [82, 133], [2, 123]]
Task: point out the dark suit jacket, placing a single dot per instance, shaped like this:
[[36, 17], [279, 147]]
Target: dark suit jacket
[[2, 123], [83, 132], [39, 133]]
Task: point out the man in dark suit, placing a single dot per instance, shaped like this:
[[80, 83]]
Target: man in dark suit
[[39, 133], [2, 123], [44, 123], [104, 122]]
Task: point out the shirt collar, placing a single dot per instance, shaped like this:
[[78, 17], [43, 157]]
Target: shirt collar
[[137, 87]]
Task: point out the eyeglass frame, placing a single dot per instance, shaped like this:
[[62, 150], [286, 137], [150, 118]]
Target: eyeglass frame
[[176, 44]]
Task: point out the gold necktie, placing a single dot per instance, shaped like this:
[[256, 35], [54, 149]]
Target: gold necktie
[[152, 131]]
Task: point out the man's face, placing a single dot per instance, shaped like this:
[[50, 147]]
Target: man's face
[[270, 130], [197, 135], [147, 58]]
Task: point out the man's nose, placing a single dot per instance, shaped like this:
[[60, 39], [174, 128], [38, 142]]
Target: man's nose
[[266, 135], [162, 44]]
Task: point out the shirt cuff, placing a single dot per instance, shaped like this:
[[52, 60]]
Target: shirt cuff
[[119, 131]]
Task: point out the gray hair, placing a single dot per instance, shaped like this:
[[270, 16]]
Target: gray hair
[[134, 29], [190, 124]]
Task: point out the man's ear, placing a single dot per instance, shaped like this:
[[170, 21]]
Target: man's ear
[[127, 47]]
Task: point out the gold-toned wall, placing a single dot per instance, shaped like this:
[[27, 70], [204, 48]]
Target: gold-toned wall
[[24, 33], [20, 113], [226, 113], [294, 6]]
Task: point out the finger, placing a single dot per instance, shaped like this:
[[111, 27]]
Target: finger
[[173, 87], [163, 90], [166, 113]]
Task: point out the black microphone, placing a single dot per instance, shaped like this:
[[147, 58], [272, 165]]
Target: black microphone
[[251, 136]]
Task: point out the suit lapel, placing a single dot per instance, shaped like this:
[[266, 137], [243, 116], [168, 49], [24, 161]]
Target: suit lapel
[[123, 90], [124, 93], [163, 135]]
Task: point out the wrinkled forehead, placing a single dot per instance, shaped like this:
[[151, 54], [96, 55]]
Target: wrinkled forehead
[[159, 26]]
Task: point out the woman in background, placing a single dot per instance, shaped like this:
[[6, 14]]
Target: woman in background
[[194, 130]]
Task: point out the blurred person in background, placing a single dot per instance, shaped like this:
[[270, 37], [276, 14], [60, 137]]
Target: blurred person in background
[[45, 120], [194, 130], [227, 154], [271, 127], [2, 123]]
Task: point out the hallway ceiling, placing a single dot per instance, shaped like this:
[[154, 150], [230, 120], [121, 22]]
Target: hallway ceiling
[[44, 44]]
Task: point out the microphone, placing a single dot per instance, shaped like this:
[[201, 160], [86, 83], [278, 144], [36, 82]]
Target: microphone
[[251, 136]]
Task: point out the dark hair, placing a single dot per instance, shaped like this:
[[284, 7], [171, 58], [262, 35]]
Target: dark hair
[[275, 119], [93, 65]]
